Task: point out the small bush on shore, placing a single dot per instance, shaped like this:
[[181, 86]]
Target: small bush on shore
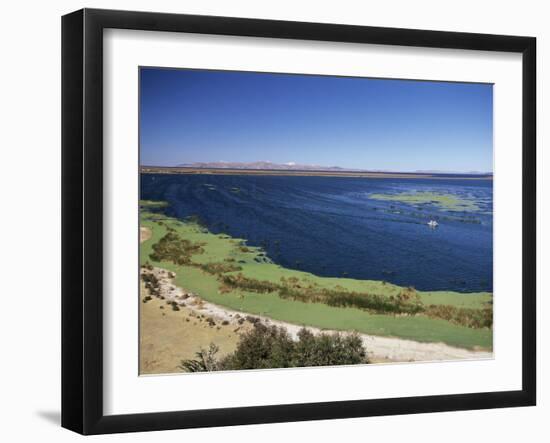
[[472, 318], [205, 361], [219, 268], [173, 248], [328, 350], [406, 302], [266, 347], [239, 281], [151, 283], [252, 319]]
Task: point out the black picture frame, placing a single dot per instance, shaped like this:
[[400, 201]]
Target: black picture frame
[[82, 215]]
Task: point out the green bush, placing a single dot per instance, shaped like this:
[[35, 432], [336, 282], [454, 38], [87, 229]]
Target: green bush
[[328, 350], [472, 318], [151, 283], [205, 361], [406, 302], [265, 347], [219, 268], [239, 281], [173, 248]]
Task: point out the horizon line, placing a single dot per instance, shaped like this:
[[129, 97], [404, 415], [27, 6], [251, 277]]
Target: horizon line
[[195, 165], [342, 169]]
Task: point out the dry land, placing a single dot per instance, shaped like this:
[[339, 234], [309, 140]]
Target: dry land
[[168, 336]]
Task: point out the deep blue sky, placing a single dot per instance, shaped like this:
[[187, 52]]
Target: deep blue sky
[[191, 116]]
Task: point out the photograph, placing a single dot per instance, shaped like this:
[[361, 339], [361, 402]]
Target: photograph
[[290, 220]]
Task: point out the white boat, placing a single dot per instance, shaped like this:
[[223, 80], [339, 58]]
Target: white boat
[[433, 224]]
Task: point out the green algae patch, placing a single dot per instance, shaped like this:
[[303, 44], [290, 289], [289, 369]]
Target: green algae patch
[[448, 202], [150, 204]]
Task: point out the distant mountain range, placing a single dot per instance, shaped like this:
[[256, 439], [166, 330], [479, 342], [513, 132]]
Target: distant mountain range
[[264, 165], [291, 166], [437, 171]]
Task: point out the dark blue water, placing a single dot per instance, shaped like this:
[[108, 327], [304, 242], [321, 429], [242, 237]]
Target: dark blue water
[[330, 227]]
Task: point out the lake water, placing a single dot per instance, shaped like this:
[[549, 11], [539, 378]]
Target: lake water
[[330, 227]]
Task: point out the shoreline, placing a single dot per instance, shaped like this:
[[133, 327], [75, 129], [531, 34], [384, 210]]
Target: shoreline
[[286, 173], [379, 349], [222, 250]]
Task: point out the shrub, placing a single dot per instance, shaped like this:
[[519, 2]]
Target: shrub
[[219, 268], [151, 283], [205, 361], [251, 319], [472, 318], [328, 350], [239, 281], [272, 347], [406, 302], [262, 348], [173, 248]]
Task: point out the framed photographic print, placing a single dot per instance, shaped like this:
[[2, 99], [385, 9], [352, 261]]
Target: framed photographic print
[[269, 221]]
